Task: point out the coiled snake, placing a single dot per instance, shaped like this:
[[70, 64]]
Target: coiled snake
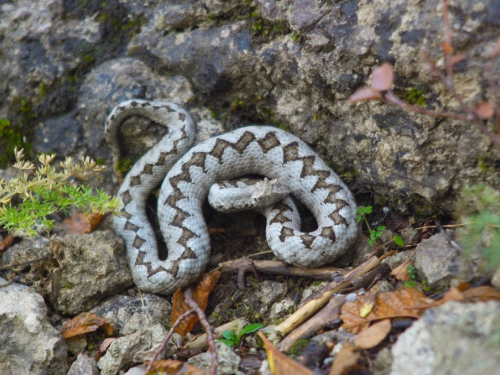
[[187, 175]]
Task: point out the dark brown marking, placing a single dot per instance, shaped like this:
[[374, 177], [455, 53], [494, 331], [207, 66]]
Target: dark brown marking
[[182, 116], [338, 219], [126, 197], [138, 242], [125, 214], [163, 156], [286, 232], [328, 232], [307, 240], [130, 226], [139, 261], [168, 108], [268, 142], [133, 104], [144, 105], [187, 254], [148, 169], [240, 145], [280, 217], [135, 180]]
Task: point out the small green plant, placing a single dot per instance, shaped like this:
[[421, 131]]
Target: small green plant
[[415, 96], [480, 209], [45, 190], [230, 338], [374, 234]]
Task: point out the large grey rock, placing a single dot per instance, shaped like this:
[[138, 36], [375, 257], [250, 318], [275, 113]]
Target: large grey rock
[[227, 361], [93, 266], [455, 338], [30, 345], [291, 62], [84, 365], [120, 309]]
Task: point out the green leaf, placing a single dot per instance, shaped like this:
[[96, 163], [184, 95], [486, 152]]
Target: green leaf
[[250, 328], [229, 335], [227, 342], [398, 240]]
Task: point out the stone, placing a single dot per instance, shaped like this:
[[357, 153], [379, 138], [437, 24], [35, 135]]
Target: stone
[[93, 266], [228, 361], [84, 365], [455, 338], [29, 343], [281, 309], [120, 309], [270, 291]]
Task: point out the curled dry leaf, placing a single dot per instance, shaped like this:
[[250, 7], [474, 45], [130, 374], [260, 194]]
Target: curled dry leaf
[[364, 94], [407, 302], [6, 242], [279, 363], [383, 77], [345, 360], [480, 293], [401, 272], [84, 323], [203, 288], [484, 110], [81, 223], [172, 367], [374, 335]]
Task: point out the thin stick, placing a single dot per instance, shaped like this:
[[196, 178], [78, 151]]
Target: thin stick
[[8, 267], [169, 335], [188, 298]]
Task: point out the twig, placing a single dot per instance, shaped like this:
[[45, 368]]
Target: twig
[[188, 298], [311, 307], [169, 335], [448, 238], [8, 267]]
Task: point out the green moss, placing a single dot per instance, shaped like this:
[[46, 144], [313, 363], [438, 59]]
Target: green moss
[[415, 96], [123, 165], [42, 90], [88, 59], [100, 161], [298, 347]]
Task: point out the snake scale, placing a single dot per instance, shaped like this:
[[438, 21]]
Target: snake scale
[[189, 172]]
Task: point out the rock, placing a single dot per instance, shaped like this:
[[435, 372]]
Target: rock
[[29, 343], [410, 236], [137, 347], [399, 258], [93, 266], [381, 365], [455, 338], [439, 263], [228, 362], [356, 254], [120, 309], [270, 291], [495, 279], [84, 365], [30, 248], [281, 309]]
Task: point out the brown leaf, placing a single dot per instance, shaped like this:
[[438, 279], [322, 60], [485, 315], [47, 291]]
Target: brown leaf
[[101, 350], [279, 363], [364, 94], [496, 50], [383, 77], [401, 272], [484, 110], [407, 302], [345, 360], [6, 242], [172, 367], [374, 335], [84, 323], [81, 223], [203, 288]]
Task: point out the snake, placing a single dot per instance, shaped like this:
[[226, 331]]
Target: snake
[[186, 173]]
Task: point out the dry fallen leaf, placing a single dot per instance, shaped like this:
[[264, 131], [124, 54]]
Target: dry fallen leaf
[[480, 293], [172, 367], [345, 360], [406, 302], [383, 77], [364, 94], [81, 223], [202, 290], [84, 323], [279, 363], [401, 272], [373, 335]]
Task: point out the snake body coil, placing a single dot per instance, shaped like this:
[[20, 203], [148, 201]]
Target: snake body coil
[[187, 177]]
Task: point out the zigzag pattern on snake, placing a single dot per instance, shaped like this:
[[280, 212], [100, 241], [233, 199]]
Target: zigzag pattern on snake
[[187, 177]]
